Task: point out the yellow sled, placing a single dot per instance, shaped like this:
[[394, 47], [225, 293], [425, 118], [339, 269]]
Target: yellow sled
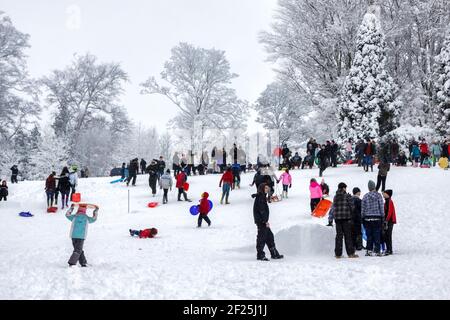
[[443, 163]]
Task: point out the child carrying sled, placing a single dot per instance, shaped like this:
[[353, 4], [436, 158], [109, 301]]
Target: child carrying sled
[[78, 232], [203, 209], [286, 180], [315, 191], [144, 234]]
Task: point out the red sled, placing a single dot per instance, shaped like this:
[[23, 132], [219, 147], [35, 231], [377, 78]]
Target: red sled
[[186, 186], [349, 162], [153, 204], [52, 209], [76, 197], [322, 208]]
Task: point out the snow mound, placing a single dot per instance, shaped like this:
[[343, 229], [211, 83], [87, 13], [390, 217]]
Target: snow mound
[[305, 240]]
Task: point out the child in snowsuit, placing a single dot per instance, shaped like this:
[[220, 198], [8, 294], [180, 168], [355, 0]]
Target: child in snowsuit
[[144, 234], [356, 227], [286, 180], [325, 189], [181, 180], [203, 209], [3, 191], [390, 219], [165, 183], [78, 232], [315, 194], [227, 180]]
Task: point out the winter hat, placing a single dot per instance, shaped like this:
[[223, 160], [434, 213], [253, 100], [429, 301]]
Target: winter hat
[[205, 195], [356, 190], [371, 185], [342, 185], [168, 171], [154, 231], [388, 192]]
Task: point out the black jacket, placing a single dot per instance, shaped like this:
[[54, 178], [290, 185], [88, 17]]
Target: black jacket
[[357, 210], [3, 191], [64, 184], [260, 208], [134, 168], [14, 170], [343, 206]]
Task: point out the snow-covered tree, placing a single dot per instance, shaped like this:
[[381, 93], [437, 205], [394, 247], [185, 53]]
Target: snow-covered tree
[[442, 87], [198, 82], [83, 92], [368, 105], [280, 109], [18, 95]]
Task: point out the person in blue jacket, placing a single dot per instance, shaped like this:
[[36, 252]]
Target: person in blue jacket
[[78, 231]]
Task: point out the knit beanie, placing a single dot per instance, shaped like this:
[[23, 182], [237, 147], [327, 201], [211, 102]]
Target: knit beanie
[[371, 185]]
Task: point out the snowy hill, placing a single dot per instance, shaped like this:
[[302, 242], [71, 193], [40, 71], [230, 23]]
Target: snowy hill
[[219, 262]]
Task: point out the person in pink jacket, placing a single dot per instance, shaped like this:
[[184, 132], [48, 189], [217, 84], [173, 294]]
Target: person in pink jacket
[[286, 180], [315, 191]]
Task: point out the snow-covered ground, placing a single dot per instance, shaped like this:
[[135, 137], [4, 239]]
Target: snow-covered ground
[[219, 262]]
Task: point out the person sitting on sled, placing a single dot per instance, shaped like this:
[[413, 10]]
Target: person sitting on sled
[[144, 234]]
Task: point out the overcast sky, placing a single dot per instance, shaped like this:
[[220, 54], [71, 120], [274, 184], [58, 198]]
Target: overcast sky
[[140, 34]]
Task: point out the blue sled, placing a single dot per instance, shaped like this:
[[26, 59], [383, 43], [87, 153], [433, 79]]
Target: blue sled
[[117, 181]]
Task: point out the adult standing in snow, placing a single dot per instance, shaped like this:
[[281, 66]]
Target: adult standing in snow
[[78, 232], [348, 150], [50, 187], [323, 160], [73, 178], [343, 214], [176, 164], [383, 169], [369, 152], [143, 164], [133, 171], [261, 218], [153, 177], [359, 151], [334, 149], [224, 160], [227, 181], [181, 180], [372, 212], [436, 152], [14, 173], [424, 151], [395, 151], [165, 183], [161, 166], [64, 187]]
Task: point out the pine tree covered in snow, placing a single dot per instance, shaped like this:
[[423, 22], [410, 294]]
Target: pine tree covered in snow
[[368, 104], [442, 87]]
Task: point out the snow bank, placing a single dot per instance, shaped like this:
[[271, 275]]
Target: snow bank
[[306, 240]]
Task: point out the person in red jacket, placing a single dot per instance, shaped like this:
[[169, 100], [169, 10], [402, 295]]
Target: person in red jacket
[[50, 189], [424, 151], [203, 210], [144, 234], [181, 180], [390, 219], [225, 183]]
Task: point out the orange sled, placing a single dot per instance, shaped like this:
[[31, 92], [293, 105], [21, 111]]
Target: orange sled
[[322, 208]]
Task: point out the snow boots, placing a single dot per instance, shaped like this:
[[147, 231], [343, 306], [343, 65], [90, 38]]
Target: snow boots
[[275, 254]]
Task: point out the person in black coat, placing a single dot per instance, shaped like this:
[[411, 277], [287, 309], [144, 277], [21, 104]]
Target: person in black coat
[[64, 187], [334, 149], [323, 160], [143, 164], [14, 173], [161, 166], [3, 191], [261, 217], [133, 171], [357, 221], [122, 171], [153, 177], [343, 214]]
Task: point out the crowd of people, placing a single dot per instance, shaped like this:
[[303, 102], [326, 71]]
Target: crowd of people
[[373, 214]]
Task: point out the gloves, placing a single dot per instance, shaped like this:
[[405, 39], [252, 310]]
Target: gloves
[[290, 186]]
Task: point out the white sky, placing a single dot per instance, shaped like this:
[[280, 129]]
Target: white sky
[[140, 34]]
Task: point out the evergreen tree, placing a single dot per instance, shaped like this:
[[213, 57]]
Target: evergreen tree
[[368, 104], [442, 87]]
